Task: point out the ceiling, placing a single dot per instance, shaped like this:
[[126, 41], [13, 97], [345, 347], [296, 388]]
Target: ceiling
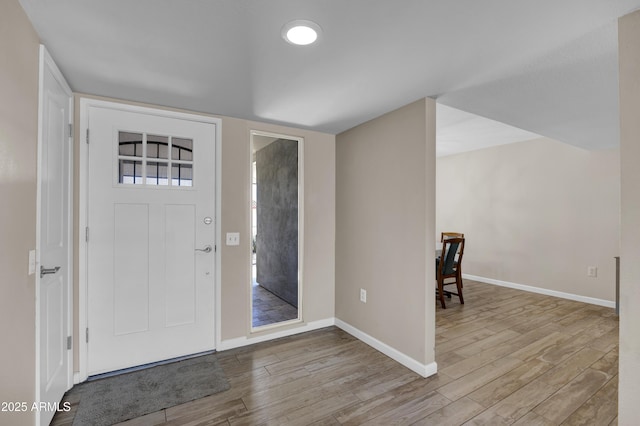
[[548, 67], [458, 131]]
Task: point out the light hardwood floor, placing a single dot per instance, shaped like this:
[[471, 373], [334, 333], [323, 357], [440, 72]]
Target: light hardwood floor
[[505, 357]]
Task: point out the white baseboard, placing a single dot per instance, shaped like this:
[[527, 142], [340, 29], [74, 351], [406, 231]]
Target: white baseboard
[[245, 341], [570, 296], [422, 369], [425, 370]]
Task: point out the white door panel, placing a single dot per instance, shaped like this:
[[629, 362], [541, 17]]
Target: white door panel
[[180, 221], [53, 289], [150, 293]]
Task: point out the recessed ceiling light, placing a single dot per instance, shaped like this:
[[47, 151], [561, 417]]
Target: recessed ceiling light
[[301, 32]]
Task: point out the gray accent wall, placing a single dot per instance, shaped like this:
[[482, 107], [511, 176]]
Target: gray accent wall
[[277, 224]]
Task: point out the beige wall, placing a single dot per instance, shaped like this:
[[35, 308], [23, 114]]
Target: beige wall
[[319, 222], [19, 46], [536, 213], [385, 189], [629, 80]]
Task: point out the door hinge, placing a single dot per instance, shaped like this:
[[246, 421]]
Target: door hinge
[[87, 334], [86, 234], [70, 130], [87, 135], [69, 342], [215, 249]]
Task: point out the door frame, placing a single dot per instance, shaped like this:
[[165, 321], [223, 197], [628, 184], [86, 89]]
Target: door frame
[[46, 61], [83, 180]]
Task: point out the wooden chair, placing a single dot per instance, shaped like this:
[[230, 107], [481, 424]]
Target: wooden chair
[[446, 235], [448, 268], [450, 235]]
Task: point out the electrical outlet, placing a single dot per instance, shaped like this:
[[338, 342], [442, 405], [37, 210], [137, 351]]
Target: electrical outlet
[[233, 238], [592, 271], [363, 295]]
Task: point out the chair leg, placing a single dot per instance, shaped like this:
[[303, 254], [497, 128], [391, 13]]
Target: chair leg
[[459, 285], [441, 294]]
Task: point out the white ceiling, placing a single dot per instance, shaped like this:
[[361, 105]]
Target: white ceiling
[[458, 131], [546, 66]]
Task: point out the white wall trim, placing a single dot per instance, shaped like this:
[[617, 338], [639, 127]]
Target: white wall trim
[[539, 290], [246, 341], [425, 370]]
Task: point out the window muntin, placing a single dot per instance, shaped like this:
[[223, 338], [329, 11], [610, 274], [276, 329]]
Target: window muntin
[[182, 174], [182, 149], [158, 147], [157, 173], [130, 144], [130, 171]]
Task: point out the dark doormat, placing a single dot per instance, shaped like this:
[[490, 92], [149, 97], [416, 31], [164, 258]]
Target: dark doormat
[[130, 395]]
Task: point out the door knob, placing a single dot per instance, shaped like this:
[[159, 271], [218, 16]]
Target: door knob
[[44, 271], [206, 249]]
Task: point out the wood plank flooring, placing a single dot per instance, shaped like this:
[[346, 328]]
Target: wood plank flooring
[[505, 357]]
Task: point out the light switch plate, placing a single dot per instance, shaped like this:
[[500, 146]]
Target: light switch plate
[[233, 238]]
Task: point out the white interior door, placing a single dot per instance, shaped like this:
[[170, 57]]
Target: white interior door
[[54, 262], [151, 235]]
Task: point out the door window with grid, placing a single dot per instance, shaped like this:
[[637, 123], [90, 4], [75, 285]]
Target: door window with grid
[[154, 160]]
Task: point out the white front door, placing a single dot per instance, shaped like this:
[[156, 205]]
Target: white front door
[[54, 262], [151, 235]]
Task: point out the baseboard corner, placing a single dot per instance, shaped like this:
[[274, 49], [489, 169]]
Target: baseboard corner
[[424, 370]]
